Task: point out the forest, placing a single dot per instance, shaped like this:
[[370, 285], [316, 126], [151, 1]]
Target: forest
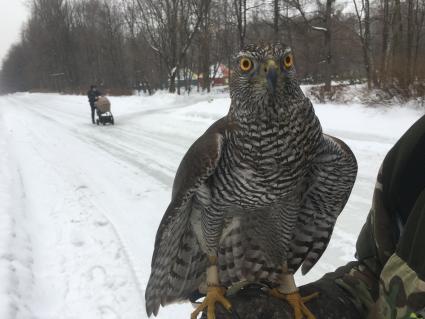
[[178, 45]]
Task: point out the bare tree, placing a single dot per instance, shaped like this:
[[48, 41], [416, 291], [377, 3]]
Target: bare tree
[[240, 10], [325, 15], [161, 20], [363, 18], [276, 14]]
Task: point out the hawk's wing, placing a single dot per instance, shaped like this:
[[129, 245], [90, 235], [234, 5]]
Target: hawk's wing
[[177, 256], [327, 190]]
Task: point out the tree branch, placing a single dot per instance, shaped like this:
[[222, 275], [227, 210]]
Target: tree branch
[[296, 4]]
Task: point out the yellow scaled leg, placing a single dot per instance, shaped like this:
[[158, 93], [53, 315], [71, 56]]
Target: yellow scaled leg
[[214, 295], [215, 292], [288, 291], [297, 302]]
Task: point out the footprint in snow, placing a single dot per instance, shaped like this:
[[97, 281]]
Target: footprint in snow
[[77, 238], [97, 275], [81, 187], [107, 312], [101, 222]]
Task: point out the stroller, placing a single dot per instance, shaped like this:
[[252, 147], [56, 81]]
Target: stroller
[[103, 110]]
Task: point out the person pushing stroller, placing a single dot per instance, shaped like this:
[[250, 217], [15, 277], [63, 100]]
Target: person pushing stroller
[[93, 94]]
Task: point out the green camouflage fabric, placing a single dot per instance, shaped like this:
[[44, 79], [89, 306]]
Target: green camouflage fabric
[[402, 293], [387, 281], [361, 285]]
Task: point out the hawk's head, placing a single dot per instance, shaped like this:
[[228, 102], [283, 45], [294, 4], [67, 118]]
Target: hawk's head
[[262, 75]]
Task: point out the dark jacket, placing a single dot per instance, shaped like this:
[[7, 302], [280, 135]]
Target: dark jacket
[[93, 95], [389, 280]]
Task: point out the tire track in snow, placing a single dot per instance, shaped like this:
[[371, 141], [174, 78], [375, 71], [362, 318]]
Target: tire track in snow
[[139, 154], [39, 143], [49, 123], [16, 260]]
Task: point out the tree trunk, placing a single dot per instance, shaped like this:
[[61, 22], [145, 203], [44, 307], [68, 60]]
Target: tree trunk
[[172, 86], [178, 82], [172, 12], [205, 52], [328, 45], [397, 65], [276, 20], [385, 39], [419, 23], [409, 47], [240, 12], [367, 47]]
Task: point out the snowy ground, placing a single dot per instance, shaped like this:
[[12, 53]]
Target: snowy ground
[[80, 204]]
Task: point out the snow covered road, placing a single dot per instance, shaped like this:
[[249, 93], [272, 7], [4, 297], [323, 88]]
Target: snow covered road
[[80, 204]]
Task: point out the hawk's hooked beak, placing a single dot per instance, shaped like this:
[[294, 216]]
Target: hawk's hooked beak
[[271, 74]]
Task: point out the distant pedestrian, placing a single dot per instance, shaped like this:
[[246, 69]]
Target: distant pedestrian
[[93, 94]]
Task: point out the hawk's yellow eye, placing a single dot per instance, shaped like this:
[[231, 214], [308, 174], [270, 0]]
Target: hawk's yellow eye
[[287, 61], [245, 64]]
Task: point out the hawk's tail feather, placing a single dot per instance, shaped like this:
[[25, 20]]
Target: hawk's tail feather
[[240, 259], [320, 241], [226, 261], [176, 274]]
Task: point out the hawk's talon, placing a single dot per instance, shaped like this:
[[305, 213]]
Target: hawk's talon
[[214, 295], [297, 302]]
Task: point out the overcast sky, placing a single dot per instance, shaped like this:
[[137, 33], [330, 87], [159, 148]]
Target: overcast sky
[[12, 14]]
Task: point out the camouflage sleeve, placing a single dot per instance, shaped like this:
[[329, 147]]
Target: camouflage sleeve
[[402, 292], [402, 281], [388, 279], [402, 286]]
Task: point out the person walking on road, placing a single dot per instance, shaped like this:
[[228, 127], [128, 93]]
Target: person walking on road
[[93, 94]]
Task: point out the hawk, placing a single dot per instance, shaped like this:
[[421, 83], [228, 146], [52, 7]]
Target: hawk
[[256, 196]]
